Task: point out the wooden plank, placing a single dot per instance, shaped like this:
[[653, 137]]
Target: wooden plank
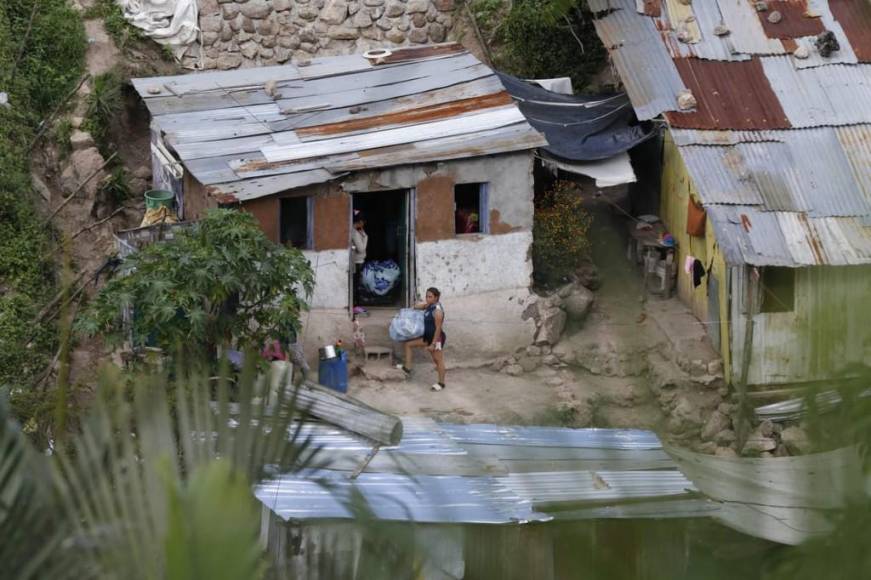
[[460, 125]]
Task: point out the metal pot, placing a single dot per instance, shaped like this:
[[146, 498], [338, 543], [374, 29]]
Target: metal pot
[[327, 352]]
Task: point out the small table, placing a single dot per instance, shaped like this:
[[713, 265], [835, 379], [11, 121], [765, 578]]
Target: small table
[[658, 259]]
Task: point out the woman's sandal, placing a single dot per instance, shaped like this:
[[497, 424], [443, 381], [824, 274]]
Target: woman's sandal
[[437, 386], [405, 370]]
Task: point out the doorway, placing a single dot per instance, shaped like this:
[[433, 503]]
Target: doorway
[[387, 277]]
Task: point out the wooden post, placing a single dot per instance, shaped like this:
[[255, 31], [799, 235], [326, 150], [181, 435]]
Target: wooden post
[[742, 428]]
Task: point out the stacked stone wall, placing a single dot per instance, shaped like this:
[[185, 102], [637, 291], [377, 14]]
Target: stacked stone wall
[[238, 33]]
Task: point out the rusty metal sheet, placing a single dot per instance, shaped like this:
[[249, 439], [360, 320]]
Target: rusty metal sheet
[[412, 116], [745, 30], [649, 7], [418, 52], [815, 59], [855, 18], [730, 95], [795, 21]]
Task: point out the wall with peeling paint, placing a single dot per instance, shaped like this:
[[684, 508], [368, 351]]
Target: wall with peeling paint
[[331, 269]]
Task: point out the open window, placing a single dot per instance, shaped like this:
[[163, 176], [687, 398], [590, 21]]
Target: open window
[[296, 221], [778, 289], [470, 208]]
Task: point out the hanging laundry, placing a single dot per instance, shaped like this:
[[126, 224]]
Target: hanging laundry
[[698, 272], [688, 264]]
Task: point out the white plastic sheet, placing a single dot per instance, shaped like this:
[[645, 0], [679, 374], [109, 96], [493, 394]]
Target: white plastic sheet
[[173, 23]]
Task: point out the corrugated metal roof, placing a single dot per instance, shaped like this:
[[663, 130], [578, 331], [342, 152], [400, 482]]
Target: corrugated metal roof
[[748, 235], [642, 60], [483, 474], [325, 494], [806, 171], [255, 132], [730, 95], [779, 147], [855, 19], [838, 94], [552, 437], [794, 20]]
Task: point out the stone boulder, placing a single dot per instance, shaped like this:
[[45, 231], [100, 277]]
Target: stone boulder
[[256, 9], [551, 326], [796, 441], [335, 12], [578, 303], [716, 423]]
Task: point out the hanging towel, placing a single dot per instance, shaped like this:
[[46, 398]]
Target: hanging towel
[[698, 273], [688, 264]]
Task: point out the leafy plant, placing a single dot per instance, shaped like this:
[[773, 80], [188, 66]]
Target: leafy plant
[[104, 106], [62, 133], [116, 187], [38, 69], [559, 234], [150, 488], [220, 281], [545, 41]]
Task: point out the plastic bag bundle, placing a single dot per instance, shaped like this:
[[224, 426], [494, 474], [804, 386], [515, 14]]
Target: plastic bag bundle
[[406, 325], [379, 277]]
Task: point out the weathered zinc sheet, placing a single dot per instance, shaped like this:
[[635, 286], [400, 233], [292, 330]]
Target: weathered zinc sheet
[[447, 473], [642, 60], [254, 132], [777, 146]]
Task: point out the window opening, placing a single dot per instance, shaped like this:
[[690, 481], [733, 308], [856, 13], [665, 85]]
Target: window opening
[[295, 221], [778, 290], [470, 208]]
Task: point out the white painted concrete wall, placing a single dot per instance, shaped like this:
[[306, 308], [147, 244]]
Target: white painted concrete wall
[[475, 264], [331, 269]]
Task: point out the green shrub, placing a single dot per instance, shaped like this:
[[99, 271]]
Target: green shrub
[[52, 61], [539, 38], [104, 107], [559, 234]]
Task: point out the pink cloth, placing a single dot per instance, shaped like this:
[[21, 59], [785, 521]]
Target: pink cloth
[[688, 264]]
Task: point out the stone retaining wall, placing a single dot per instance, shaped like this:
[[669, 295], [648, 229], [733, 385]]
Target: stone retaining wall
[[266, 32]]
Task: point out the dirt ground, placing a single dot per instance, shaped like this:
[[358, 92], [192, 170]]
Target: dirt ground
[[550, 395]]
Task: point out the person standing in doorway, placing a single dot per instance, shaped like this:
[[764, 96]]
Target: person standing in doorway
[[433, 338], [359, 241]]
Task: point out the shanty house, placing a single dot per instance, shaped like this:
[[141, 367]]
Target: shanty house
[[768, 127], [408, 138]]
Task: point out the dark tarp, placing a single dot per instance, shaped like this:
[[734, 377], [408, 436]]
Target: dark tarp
[[579, 128]]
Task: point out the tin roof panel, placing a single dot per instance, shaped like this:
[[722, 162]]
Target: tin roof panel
[[645, 66], [730, 95], [855, 19]]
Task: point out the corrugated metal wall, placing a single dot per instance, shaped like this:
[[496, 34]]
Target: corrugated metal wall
[[828, 329], [677, 187]]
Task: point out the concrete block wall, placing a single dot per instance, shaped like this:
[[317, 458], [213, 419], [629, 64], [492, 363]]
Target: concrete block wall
[[240, 33]]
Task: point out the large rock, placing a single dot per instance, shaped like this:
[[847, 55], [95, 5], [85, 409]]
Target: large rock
[[211, 23], [84, 163], [578, 303], [437, 32], [256, 9], [588, 276], [418, 35], [229, 61], [230, 11], [529, 363], [513, 370], [307, 12], [685, 417], [335, 12], [757, 444], [362, 20], [796, 441], [417, 6], [343, 33], [725, 438], [81, 140], [716, 422], [394, 9], [282, 5], [551, 326]]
